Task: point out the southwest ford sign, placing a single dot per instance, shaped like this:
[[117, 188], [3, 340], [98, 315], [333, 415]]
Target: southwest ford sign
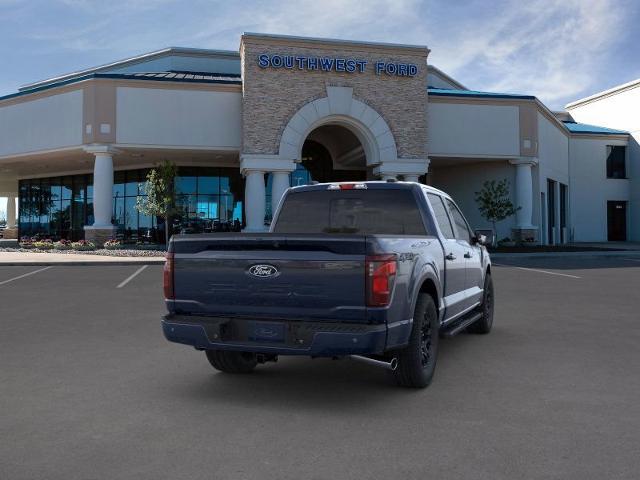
[[334, 64]]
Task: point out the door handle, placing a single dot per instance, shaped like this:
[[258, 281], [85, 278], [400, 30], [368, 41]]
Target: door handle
[[468, 255], [450, 256]]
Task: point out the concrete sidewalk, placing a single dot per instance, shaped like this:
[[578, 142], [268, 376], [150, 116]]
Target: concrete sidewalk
[[32, 258]]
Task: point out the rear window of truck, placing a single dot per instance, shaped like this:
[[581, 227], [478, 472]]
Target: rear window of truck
[[364, 212]]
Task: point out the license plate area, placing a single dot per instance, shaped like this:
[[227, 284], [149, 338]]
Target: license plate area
[[266, 332]]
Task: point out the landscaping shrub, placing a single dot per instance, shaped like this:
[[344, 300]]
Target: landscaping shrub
[[43, 244], [62, 245], [113, 244], [83, 245]]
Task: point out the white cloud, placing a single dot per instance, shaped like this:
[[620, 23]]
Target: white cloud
[[383, 20], [554, 49]]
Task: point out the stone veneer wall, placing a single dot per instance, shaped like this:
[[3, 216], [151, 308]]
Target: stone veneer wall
[[271, 96]]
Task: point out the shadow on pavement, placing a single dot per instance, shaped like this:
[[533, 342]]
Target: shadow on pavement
[[302, 384]]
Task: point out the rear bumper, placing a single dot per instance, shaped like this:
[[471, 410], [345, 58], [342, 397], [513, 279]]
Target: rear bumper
[[322, 339]]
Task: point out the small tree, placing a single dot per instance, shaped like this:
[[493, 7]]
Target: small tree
[[494, 202], [160, 193]]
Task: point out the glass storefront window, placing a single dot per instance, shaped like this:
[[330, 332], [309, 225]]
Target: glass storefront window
[[67, 188], [118, 184], [208, 185], [186, 185], [208, 200], [131, 187]]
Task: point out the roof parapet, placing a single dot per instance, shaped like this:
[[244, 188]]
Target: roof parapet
[[603, 94], [132, 61]]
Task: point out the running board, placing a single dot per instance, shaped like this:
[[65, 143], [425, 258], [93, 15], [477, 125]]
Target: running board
[[459, 326]]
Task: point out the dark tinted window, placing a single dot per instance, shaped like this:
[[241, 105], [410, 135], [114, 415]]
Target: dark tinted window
[[441, 215], [392, 212], [462, 230], [616, 167]]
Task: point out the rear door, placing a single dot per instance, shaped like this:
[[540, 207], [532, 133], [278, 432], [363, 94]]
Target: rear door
[[616, 221], [455, 275], [472, 254]]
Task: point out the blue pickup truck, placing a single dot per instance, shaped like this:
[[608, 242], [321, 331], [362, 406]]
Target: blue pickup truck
[[377, 271]]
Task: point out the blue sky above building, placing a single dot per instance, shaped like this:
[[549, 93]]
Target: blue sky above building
[[557, 50]]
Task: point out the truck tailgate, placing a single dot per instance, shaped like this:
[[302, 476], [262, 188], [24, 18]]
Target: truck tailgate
[[289, 276]]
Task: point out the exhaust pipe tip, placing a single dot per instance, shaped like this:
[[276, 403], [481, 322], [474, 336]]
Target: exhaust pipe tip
[[393, 364]]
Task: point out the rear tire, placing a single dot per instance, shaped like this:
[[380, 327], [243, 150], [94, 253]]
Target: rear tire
[[232, 362], [483, 326], [417, 362]]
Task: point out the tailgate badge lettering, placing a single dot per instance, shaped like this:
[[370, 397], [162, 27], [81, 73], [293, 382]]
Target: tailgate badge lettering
[[263, 271]]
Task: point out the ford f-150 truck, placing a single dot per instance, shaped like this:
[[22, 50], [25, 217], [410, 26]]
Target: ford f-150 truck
[[378, 271]]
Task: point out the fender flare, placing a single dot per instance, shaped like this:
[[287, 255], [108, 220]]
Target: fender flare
[[428, 272]]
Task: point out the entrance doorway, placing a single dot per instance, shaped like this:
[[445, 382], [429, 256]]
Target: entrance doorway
[[333, 153], [330, 153], [617, 221], [551, 212]]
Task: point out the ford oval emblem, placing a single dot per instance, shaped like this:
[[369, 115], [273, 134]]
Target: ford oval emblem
[[263, 271]]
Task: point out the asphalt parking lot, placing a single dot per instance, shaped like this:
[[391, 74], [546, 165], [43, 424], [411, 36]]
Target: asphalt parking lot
[[89, 388]]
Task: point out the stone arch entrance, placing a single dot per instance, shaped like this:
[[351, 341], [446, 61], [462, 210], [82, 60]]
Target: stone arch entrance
[[339, 108], [323, 121]]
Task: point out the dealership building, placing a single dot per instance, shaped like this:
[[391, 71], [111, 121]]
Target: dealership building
[[244, 126]]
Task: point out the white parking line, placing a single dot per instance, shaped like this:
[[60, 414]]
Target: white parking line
[[25, 275], [132, 276], [539, 271]]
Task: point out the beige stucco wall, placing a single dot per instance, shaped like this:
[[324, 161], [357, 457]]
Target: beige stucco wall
[[473, 129], [462, 181], [619, 110], [179, 117], [272, 96], [44, 123]]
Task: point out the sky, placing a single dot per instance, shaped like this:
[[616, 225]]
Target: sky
[[558, 50]]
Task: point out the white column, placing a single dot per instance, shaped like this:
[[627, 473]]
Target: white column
[[102, 190], [255, 200], [411, 178], [279, 185], [11, 212], [524, 192]]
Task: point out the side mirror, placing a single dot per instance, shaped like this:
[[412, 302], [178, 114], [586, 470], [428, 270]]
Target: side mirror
[[483, 237]]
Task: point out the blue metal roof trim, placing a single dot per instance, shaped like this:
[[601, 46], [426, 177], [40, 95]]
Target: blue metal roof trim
[[445, 92], [227, 79], [575, 127]]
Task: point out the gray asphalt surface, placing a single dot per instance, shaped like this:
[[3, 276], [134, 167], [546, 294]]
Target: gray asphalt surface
[[89, 389]]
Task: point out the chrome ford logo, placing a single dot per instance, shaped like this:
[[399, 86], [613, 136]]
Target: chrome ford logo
[[263, 271], [266, 332]]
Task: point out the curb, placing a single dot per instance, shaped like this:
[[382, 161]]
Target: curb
[[591, 254]]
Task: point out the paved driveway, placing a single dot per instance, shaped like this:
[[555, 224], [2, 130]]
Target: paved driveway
[[89, 389]]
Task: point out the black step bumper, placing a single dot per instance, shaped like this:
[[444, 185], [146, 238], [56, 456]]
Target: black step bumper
[[279, 337]]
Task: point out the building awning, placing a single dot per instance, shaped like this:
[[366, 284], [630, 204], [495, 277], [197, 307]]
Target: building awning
[[170, 76], [575, 127], [445, 92]]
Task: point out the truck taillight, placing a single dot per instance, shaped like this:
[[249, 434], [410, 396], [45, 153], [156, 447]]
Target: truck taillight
[[381, 275], [347, 186], [167, 275]]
